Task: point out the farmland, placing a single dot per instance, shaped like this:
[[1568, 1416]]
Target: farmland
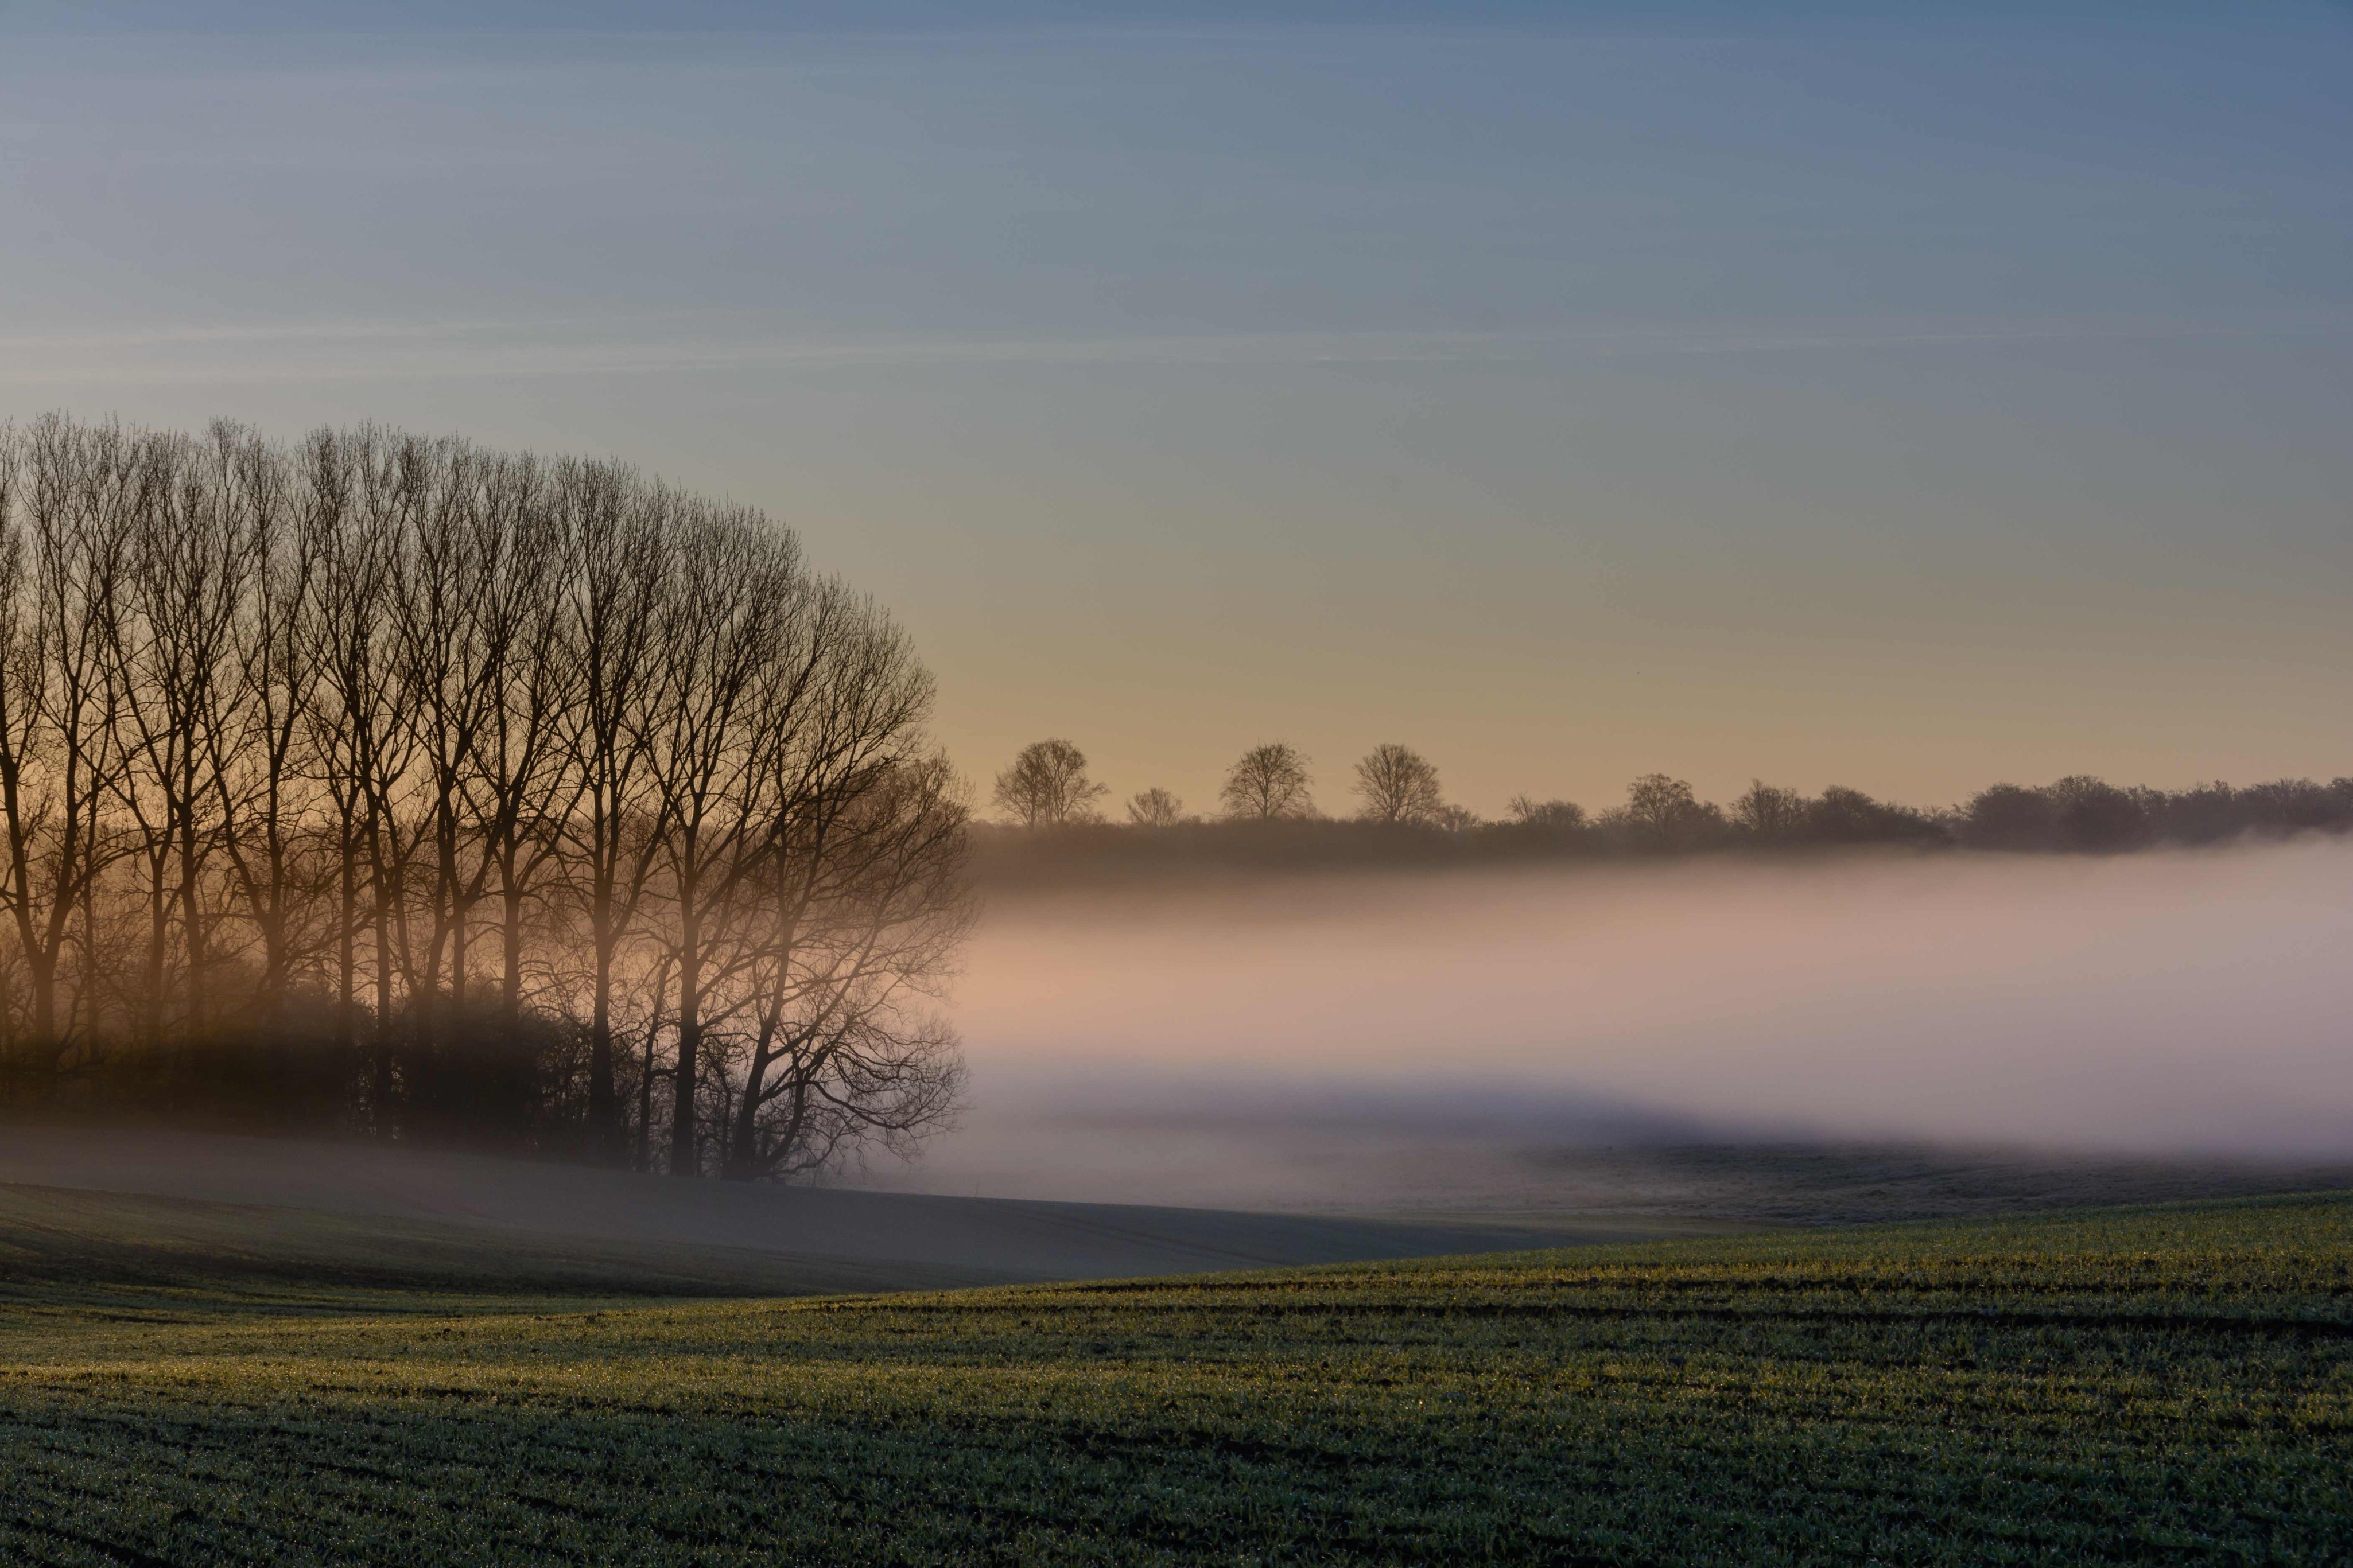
[[2168, 1383]]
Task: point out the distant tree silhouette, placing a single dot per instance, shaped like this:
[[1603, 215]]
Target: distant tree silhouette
[[1843, 815], [2009, 816], [1268, 782], [2202, 814], [1550, 816], [1769, 814], [2094, 816], [2295, 805], [1662, 813], [1047, 786], [1399, 784], [1664, 816], [1154, 807]]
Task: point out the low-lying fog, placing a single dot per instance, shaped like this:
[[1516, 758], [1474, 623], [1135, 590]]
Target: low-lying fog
[[1379, 1040]]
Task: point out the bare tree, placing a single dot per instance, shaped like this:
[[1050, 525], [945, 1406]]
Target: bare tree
[[1267, 783], [2095, 814], [523, 785], [844, 1051], [1662, 813], [171, 637], [2009, 816], [1548, 815], [72, 493], [361, 488], [503, 760], [264, 770], [860, 907], [618, 532], [1399, 785], [1769, 814], [450, 644], [1154, 807], [725, 618], [91, 488], [1047, 786]]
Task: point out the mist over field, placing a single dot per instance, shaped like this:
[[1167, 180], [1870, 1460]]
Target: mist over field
[[1392, 1038]]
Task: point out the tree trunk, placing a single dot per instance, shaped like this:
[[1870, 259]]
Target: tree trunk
[[604, 1103], [346, 944], [682, 1151]]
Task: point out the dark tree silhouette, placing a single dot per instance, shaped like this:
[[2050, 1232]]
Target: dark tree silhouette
[[2095, 816], [459, 794], [1047, 786], [1154, 807], [1268, 782], [2009, 817], [1769, 814], [1399, 784], [1662, 813], [1551, 817], [1843, 815]]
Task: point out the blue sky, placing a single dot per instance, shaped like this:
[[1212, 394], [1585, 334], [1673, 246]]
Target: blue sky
[[1893, 397]]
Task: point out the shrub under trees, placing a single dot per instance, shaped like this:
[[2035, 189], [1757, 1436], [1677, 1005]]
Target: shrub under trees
[[393, 783]]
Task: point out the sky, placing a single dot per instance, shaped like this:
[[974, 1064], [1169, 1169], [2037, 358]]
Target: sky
[[1906, 397]]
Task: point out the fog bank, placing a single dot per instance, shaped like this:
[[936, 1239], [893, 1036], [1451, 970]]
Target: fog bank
[[1201, 1044]]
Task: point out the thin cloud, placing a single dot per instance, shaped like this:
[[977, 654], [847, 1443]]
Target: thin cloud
[[396, 350]]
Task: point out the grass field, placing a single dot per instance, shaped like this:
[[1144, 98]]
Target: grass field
[[2159, 1385]]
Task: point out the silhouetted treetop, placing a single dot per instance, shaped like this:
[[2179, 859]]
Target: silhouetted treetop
[[1664, 816], [1269, 783], [1047, 786], [1399, 784], [1154, 807]]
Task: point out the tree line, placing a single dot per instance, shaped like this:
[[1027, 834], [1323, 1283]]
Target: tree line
[[1268, 811], [391, 783]]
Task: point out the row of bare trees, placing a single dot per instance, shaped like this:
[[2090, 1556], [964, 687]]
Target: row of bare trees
[[452, 794], [1047, 786], [1396, 786]]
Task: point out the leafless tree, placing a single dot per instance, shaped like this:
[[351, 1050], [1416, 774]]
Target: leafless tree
[[1768, 812], [267, 776], [1399, 785], [617, 532], [1662, 813], [523, 786], [1267, 783], [1047, 786], [1154, 807], [1550, 815], [724, 620], [473, 767], [361, 488], [860, 907], [83, 490]]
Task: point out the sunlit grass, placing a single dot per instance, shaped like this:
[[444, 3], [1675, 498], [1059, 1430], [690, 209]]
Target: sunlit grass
[[2152, 1385]]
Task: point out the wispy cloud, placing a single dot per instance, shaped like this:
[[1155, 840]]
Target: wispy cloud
[[286, 352]]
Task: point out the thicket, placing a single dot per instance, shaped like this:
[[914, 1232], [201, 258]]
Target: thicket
[[392, 784]]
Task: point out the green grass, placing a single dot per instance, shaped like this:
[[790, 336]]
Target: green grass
[[2157, 1385], [53, 1238]]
